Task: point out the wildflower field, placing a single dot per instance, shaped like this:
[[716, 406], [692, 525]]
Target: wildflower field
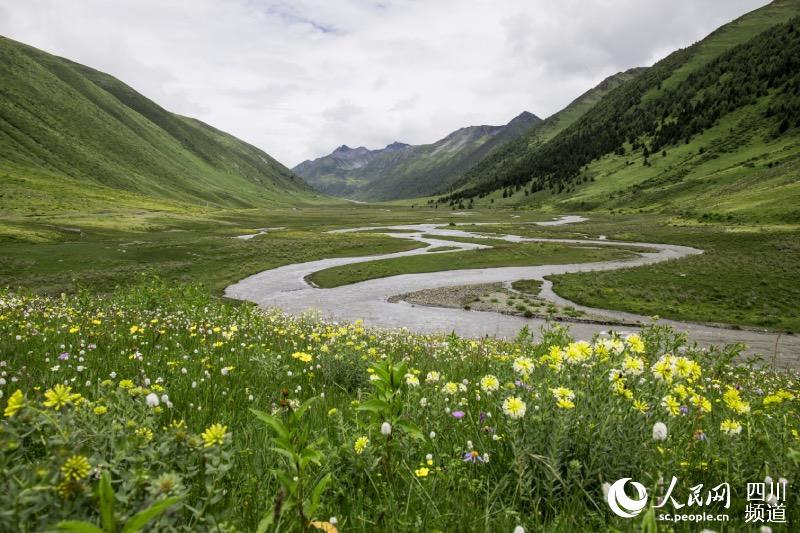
[[160, 408]]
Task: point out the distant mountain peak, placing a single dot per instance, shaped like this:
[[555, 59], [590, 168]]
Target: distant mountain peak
[[402, 170], [396, 145], [526, 117]]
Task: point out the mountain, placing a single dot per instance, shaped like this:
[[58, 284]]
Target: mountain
[[516, 150], [71, 136], [711, 131], [343, 170], [406, 171]]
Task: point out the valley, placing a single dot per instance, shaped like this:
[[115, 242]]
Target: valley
[[491, 329]]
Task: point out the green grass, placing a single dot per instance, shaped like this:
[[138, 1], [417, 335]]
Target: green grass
[[66, 129], [502, 255], [441, 249], [216, 362], [527, 286], [733, 171], [732, 34], [100, 248], [736, 170], [518, 149], [470, 240], [747, 275], [747, 278], [105, 261]]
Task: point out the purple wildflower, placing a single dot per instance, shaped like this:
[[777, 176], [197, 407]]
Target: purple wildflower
[[521, 384], [473, 457], [64, 356], [458, 414]]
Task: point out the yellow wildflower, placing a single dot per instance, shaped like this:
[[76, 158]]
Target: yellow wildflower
[[733, 400], [662, 369], [15, 403], [635, 343], [361, 445], [302, 356], [731, 427], [564, 403], [563, 393], [633, 365], [702, 403], [214, 435], [60, 396], [145, 433], [523, 366], [672, 405], [77, 467], [489, 383], [513, 407], [450, 388]]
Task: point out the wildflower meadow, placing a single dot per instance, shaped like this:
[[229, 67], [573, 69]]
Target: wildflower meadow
[[160, 408]]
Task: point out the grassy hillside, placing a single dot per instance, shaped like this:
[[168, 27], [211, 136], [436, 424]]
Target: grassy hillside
[[719, 119], [513, 153], [66, 129]]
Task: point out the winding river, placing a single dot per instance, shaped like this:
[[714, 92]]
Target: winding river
[[286, 288]]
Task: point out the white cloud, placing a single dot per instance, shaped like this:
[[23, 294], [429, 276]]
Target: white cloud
[[298, 78]]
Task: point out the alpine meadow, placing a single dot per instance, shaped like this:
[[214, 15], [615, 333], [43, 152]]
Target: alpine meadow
[[581, 318]]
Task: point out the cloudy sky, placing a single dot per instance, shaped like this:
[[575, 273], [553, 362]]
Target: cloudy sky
[[298, 78]]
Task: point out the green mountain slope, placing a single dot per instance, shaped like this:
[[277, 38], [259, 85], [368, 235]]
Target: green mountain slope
[[404, 171], [65, 128], [514, 152], [717, 121]]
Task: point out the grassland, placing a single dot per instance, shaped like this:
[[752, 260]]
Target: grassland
[[529, 254], [757, 263], [747, 275], [53, 252], [97, 251], [103, 261], [396, 432]]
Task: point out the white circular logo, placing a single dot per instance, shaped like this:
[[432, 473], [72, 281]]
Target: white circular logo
[[621, 504]]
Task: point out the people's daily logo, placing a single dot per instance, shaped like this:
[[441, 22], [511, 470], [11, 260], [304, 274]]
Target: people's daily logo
[[765, 501], [621, 503]]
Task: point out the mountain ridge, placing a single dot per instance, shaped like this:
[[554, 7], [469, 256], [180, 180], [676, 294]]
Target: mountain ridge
[[61, 118], [401, 170], [509, 153], [711, 131]]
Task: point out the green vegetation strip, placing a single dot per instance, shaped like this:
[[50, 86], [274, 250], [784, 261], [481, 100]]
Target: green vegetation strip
[[527, 286], [99, 261], [747, 275], [528, 254]]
